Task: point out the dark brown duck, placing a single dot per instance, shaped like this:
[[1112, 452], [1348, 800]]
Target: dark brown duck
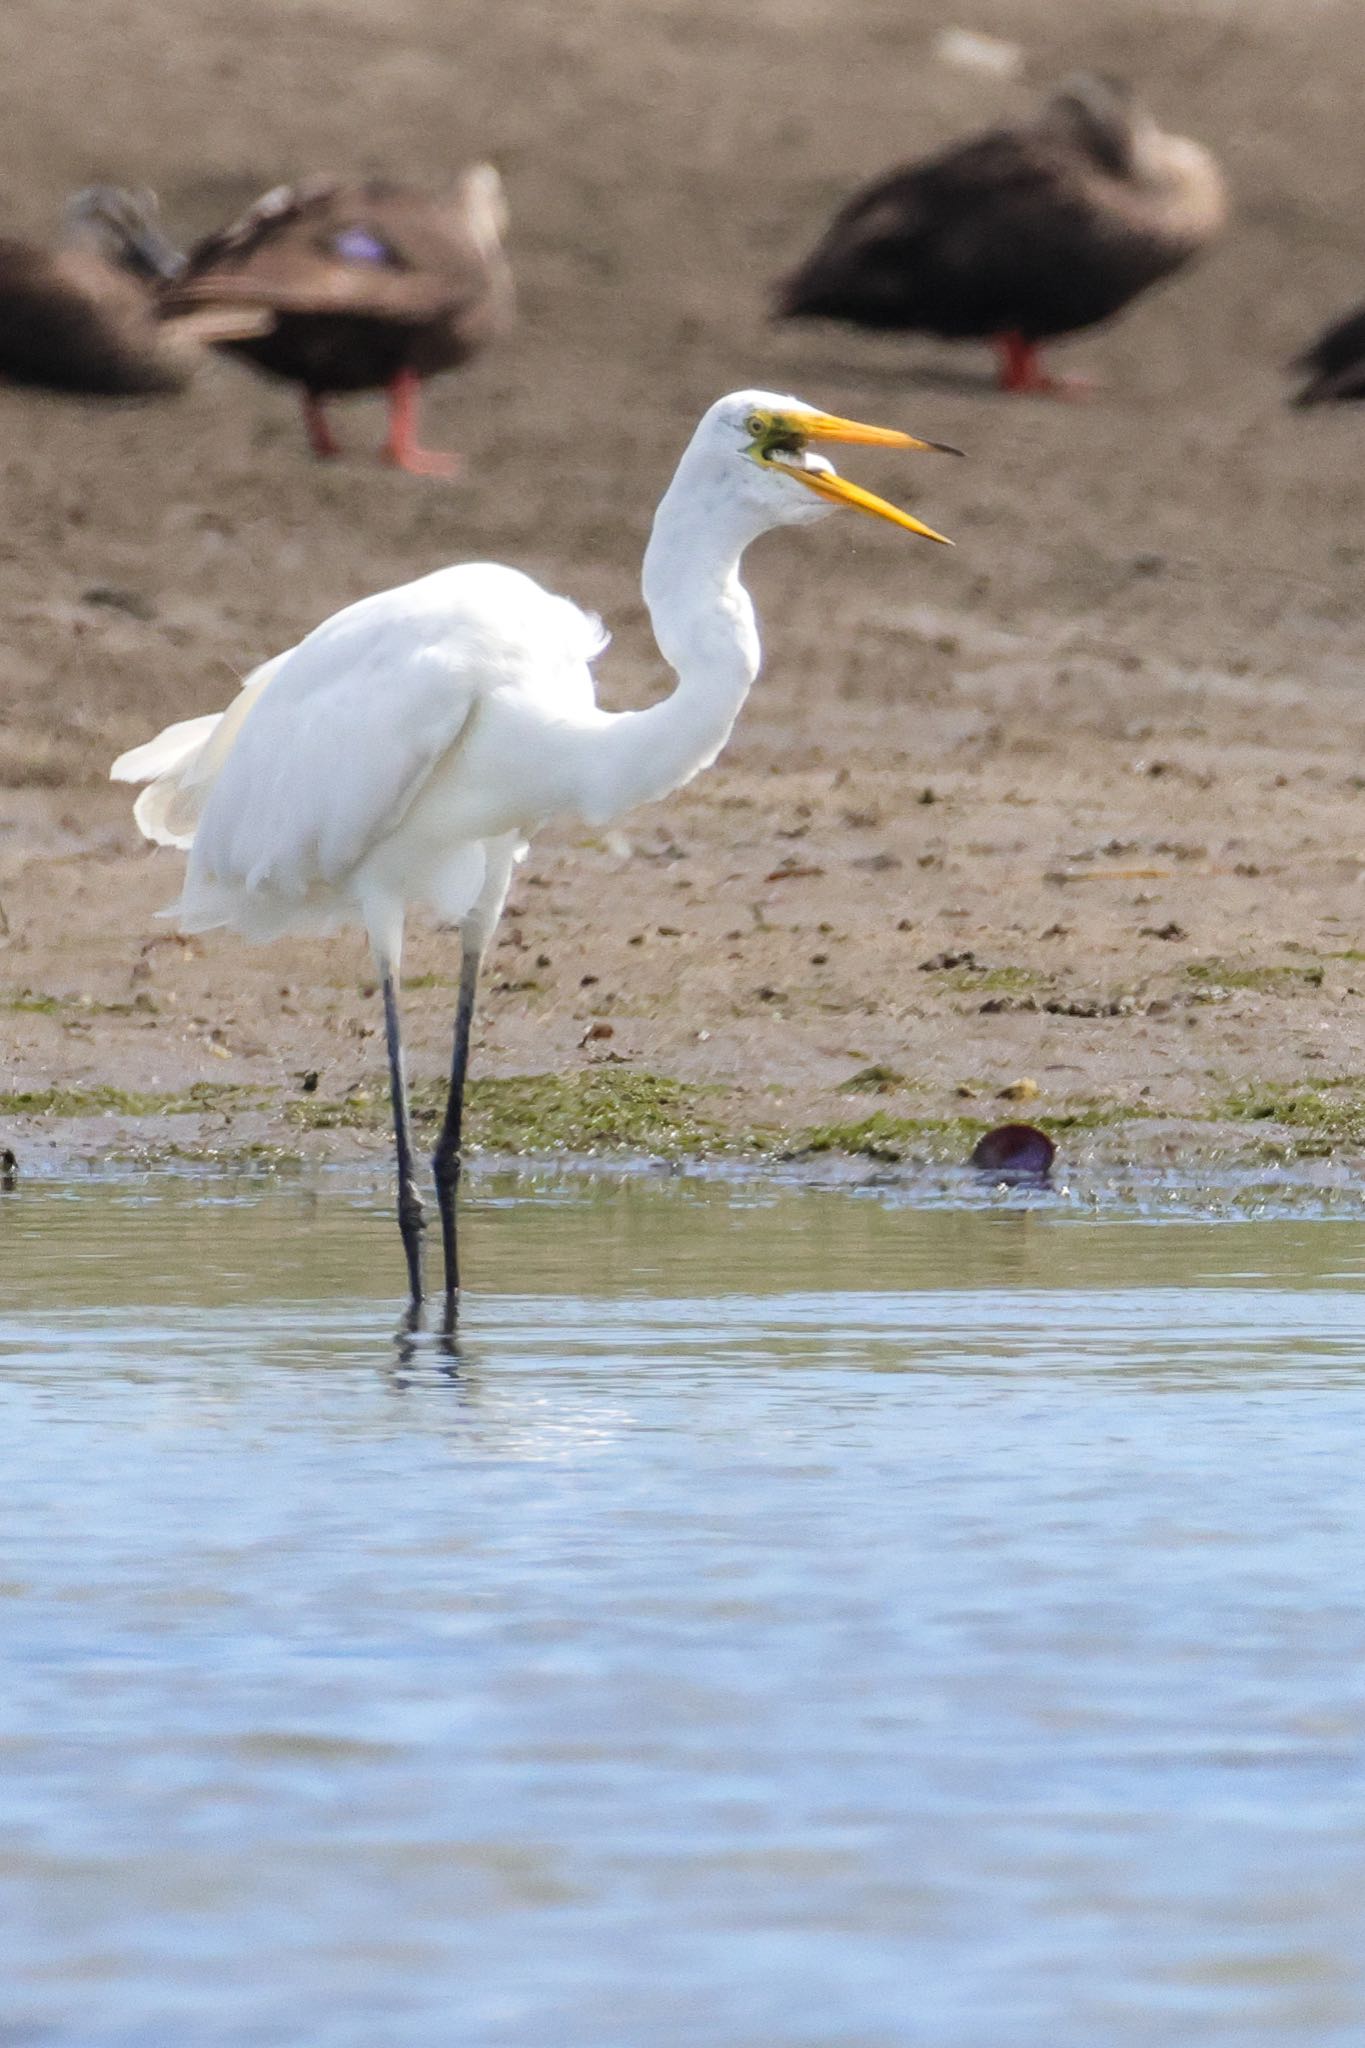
[[372, 286], [1019, 235], [85, 316], [1333, 369]]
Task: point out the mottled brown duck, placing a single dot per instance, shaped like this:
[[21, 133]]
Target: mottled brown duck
[[372, 286], [84, 316], [1021, 234]]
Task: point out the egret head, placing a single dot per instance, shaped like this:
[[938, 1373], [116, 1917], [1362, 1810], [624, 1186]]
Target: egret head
[[766, 448]]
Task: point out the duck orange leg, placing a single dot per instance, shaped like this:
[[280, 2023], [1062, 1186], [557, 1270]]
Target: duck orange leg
[[402, 449], [321, 439], [1022, 370]]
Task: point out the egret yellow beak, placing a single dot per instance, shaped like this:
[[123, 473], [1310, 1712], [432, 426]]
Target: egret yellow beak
[[789, 429], [826, 426]]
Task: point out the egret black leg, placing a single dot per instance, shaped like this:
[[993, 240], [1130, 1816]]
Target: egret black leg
[[446, 1161], [410, 1219]]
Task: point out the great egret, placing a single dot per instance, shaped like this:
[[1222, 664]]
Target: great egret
[[406, 750], [369, 285], [1020, 234]]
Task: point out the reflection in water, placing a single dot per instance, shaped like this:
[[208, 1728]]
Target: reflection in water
[[780, 1618], [425, 1357]]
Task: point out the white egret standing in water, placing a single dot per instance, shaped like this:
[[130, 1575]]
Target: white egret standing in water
[[405, 751]]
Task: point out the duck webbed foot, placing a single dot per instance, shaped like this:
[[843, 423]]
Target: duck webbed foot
[[1021, 370], [402, 450]]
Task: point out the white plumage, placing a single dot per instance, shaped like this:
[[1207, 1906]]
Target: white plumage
[[406, 750], [360, 780]]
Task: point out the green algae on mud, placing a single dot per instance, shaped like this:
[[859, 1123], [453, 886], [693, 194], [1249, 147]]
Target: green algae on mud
[[893, 1139], [100, 1099], [887, 1138], [993, 980], [600, 1110], [1274, 976], [1312, 1121], [610, 1111], [36, 1002], [874, 1080], [593, 1111]]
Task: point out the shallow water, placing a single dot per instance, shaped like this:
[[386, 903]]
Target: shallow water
[[793, 1619]]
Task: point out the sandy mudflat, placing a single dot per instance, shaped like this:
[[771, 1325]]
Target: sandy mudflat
[[1103, 763]]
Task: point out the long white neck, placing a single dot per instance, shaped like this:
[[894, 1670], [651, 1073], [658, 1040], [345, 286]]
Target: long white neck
[[704, 623]]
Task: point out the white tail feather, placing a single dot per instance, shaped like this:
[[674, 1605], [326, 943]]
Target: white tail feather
[[180, 764], [168, 751]]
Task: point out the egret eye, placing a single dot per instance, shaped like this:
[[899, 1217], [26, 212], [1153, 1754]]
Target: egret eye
[[757, 424]]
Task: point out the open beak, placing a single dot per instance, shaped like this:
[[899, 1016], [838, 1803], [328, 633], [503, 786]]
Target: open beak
[[824, 426]]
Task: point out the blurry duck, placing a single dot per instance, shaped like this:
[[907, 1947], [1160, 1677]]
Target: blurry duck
[[1021, 234], [1334, 367], [84, 316], [372, 285]]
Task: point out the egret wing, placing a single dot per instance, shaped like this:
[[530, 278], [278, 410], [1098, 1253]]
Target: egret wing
[[329, 760], [355, 719]]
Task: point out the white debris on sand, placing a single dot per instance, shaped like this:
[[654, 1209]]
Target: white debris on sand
[[966, 49]]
